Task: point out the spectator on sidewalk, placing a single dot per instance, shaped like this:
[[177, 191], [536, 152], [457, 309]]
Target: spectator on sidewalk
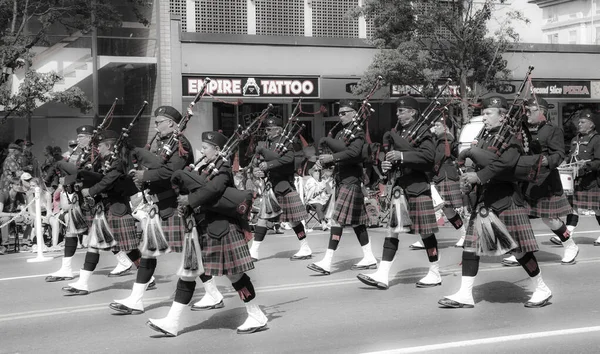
[[11, 169]]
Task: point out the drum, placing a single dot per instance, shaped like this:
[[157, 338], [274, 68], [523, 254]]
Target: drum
[[567, 178], [469, 132]]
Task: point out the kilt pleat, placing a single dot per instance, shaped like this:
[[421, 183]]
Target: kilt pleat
[[517, 222], [450, 192], [228, 255], [174, 229], [350, 206], [587, 199], [123, 229], [292, 208], [422, 215], [550, 207]]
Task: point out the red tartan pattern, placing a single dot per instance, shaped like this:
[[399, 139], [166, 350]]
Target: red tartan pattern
[[517, 222], [174, 229], [292, 208], [587, 199], [228, 255], [422, 215], [124, 232], [450, 192], [552, 207], [350, 206]]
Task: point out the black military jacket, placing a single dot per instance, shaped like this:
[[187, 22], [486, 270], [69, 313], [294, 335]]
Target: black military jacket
[[548, 141], [417, 162], [587, 148], [445, 166], [500, 188], [159, 176], [280, 167], [348, 162], [117, 204]]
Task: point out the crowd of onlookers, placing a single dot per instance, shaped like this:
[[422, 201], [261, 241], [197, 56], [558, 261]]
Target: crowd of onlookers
[[20, 172]]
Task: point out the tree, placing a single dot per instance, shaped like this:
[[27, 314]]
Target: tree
[[423, 41], [25, 24]]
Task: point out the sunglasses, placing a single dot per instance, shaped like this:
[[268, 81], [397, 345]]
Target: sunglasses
[[343, 113]]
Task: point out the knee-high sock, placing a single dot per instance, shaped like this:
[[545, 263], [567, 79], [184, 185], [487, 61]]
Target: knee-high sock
[[134, 255], [530, 264], [91, 261], [185, 291], [70, 246], [245, 288], [362, 234], [299, 230], [572, 220], [146, 270], [562, 233], [455, 220], [470, 264], [390, 247], [259, 233], [430, 243], [205, 277], [335, 236]]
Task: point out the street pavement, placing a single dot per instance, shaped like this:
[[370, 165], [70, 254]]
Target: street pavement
[[311, 313]]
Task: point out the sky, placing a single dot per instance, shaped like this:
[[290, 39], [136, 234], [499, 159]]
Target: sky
[[531, 33]]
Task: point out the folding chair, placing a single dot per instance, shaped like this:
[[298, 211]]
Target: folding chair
[[313, 218]]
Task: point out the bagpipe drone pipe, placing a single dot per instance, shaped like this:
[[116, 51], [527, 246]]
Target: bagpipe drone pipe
[[87, 160], [339, 137]]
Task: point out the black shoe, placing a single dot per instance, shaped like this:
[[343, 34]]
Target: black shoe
[[151, 285], [454, 304], [555, 240], [299, 258], [542, 303], [220, 305], [124, 309], [426, 285], [120, 274], [52, 278], [71, 291], [158, 329], [372, 282], [316, 268], [252, 330], [364, 267]]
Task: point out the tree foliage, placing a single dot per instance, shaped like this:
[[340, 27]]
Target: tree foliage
[[421, 42], [25, 24]]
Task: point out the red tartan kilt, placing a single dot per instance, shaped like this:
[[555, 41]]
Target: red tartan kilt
[[292, 208], [174, 230], [450, 192], [422, 215], [517, 222], [124, 232], [552, 207], [228, 255], [587, 199], [350, 206]]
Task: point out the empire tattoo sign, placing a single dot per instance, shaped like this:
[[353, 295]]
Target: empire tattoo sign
[[254, 86]]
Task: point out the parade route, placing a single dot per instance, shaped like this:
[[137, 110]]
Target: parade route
[[312, 313]]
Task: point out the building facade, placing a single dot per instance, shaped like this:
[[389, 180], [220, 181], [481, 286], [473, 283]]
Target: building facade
[[570, 22]]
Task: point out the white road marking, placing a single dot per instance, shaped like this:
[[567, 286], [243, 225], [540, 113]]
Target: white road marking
[[490, 340]]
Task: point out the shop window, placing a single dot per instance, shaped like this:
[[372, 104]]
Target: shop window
[[280, 17]]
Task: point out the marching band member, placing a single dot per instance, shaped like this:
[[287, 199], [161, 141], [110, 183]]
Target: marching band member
[[116, 231], [157, 178], [547, 200], [222, 244], [586, 147], [413, 163], [499, 195], [280, 172], [349, 197], [65, 168]]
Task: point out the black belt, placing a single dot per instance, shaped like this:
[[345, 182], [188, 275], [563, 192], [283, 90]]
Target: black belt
[[163, 195]]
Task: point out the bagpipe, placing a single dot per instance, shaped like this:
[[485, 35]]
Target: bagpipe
[[124, 185], [332, 143], [291, 131], [234, 202], [168, 148], [85, 159], [529, 167]]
